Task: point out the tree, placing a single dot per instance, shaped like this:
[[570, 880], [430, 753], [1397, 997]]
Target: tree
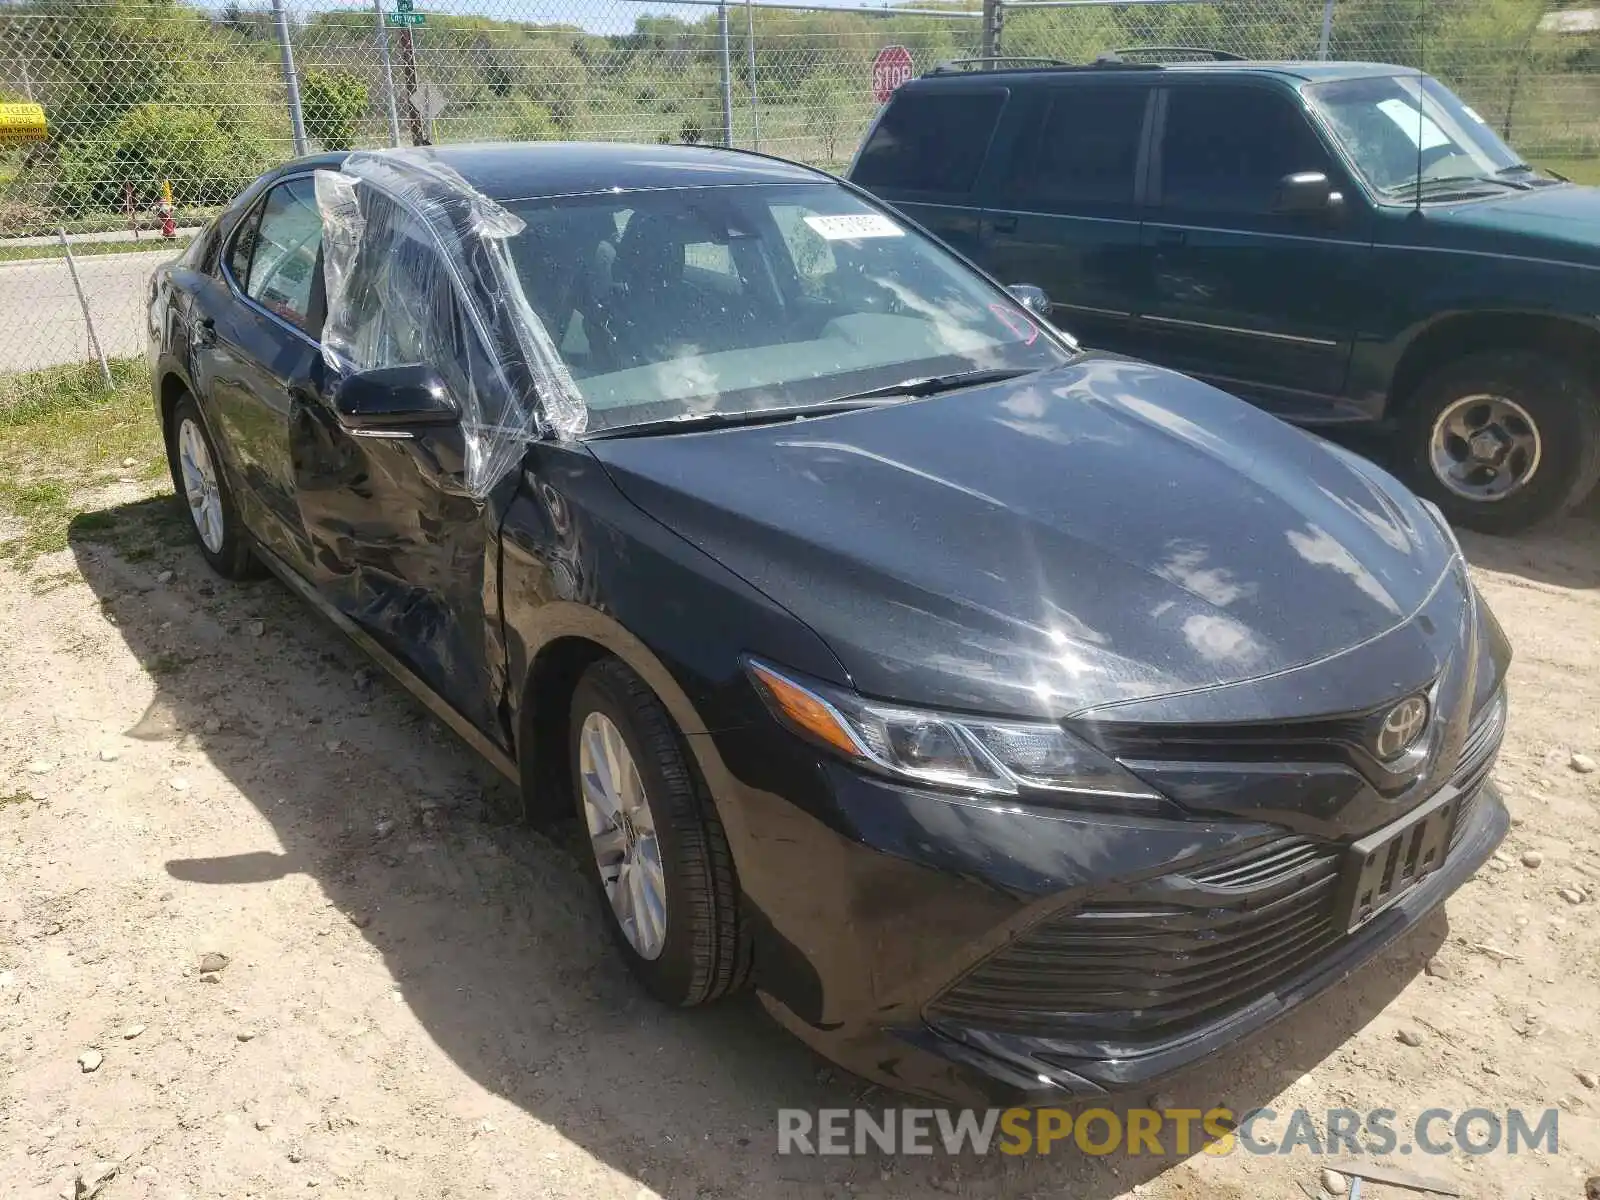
[[527, 121], [825, 101], [333, 103], [150, 143]]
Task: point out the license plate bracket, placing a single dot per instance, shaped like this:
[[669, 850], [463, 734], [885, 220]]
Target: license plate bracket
[[1386, 864]]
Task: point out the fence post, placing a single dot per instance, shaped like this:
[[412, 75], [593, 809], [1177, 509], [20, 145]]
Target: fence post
[[291, 81], [755, 107], [993, 21], [727, 74], [1327, 29], [83, 301], [388, 72]]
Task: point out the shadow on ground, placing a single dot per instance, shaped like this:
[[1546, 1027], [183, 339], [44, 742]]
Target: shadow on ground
[[487, 928]]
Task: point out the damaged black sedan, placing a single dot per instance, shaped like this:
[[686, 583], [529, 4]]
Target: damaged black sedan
[[1022, 722]]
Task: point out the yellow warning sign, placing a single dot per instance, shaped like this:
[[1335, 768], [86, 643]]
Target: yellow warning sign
[[22, 123]]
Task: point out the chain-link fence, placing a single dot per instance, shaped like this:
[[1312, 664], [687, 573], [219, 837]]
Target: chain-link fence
[[145, 98], [1531, 68]]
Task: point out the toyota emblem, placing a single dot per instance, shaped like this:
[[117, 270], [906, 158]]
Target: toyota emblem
[[1402, 726]]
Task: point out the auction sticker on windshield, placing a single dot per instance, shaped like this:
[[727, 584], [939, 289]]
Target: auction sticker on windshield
[[854, 225]]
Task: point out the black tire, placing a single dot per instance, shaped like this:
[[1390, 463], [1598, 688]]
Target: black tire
[[232, 558], [1564, 409], [706, 950]]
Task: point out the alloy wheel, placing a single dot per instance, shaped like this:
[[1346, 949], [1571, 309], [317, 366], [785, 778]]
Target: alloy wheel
[[622, 832], [200, 484], [1484, 448]]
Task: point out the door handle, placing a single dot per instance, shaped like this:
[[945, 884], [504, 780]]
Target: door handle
[[1005, 224], [1171, 237], [203, 332]]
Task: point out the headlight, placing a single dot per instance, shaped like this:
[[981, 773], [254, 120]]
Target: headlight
[[972, 754]]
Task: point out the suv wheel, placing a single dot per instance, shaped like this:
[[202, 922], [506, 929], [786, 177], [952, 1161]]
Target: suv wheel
[[1502, 441], [661, 862], [202, 487]]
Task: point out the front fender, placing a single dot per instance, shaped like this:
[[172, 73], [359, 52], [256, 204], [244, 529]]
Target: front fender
[[580, 561]]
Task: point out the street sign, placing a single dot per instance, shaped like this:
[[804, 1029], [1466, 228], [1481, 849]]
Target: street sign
[[406, 18], [404, 6], [890, 69]]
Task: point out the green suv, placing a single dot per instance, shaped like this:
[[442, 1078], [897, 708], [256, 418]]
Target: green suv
[[1336, 242]]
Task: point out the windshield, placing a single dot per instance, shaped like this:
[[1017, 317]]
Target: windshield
[[691, 301], [1385, 120]]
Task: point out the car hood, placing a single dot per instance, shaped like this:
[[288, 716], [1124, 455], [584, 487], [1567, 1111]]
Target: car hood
[[1561, 222], [1104, 531]]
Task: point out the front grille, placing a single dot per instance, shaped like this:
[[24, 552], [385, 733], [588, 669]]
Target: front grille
[[1262, 866], [1136, 970], [1206, 942]]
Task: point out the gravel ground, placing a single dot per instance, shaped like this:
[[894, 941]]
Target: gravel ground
[[266, 928]]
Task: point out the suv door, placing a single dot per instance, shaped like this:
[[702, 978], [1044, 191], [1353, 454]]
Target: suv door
[[398, 544], [924, 155], [1262, 301], [1065, 215], [250, 353]]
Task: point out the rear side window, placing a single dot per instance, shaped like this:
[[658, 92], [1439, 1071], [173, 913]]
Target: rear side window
[[1086, 149], [1226, 149], [930, 141]]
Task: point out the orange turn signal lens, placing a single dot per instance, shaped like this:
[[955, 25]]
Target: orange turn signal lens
[[805, 711]]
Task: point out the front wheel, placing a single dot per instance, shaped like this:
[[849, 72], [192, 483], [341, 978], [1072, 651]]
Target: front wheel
[[1505, 440], [660, 858]]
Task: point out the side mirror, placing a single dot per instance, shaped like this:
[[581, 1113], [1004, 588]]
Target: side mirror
[[1306, 193], [395, 398], [1031, 298]]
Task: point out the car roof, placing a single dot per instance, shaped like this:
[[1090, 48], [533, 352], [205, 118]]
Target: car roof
[[529, 170], [1299, 72]]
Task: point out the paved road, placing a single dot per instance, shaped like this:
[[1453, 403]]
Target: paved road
[[41, 322]]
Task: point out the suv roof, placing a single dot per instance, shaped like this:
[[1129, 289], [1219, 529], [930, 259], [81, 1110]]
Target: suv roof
[[1313, 72]]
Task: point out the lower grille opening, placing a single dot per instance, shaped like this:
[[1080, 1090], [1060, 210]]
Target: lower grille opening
[[1144, 971]]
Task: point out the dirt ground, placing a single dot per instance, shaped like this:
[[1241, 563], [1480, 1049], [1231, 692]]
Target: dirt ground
[[419, 1000]]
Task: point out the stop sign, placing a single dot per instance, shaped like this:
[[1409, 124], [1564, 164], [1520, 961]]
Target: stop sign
[[890, 69]]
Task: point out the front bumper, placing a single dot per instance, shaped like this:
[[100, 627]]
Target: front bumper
[[927, 943], [958, 1062]]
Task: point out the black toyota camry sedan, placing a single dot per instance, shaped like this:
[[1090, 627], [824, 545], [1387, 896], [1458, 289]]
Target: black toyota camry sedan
[[1021, 722]]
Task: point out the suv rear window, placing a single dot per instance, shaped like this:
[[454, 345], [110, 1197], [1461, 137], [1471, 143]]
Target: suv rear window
[[930, 141]]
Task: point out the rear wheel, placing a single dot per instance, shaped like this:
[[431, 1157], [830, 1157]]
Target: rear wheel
[[1502, 441], [203, 490], [660, 860]]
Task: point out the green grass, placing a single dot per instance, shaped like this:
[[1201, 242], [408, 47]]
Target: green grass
[[62, 433], [1579, 170], [81, 249]]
